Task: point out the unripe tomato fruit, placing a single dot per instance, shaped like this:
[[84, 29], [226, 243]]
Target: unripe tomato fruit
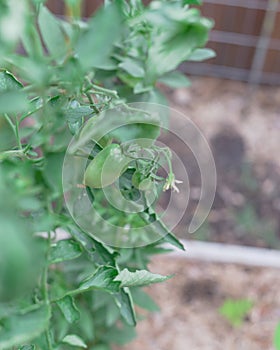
[[108, 165], [140, 182], [145, 184], [137, 177], [89, 132]]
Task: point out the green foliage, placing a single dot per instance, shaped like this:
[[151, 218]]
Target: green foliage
[[236, 310], [77, 291]]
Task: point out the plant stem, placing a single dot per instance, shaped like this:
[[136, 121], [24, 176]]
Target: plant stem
[[45, 292], [100, 89], [92, 104], [12, 153], [17, 134], [73, 10], [15, 128], [29, 113], [9, 120]]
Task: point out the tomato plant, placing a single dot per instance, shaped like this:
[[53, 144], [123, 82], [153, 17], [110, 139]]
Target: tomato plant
[[59, 291]]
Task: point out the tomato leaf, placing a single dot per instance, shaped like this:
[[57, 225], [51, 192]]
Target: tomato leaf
[[124, 302], [175, 80], [64, 250], [201, 55], [52, 33], [12, 99], [74, 340], [139, 278], [27, 347], [96, 43], [103, 278], [8, 82], [22, 327], [69, 309], [132, 67]]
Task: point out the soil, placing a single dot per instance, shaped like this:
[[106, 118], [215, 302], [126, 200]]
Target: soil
[[190, 319]]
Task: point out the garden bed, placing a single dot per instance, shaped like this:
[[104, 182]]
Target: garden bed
[[189, 302]]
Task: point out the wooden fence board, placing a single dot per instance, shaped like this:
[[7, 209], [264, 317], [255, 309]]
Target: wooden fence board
[[237, 21]]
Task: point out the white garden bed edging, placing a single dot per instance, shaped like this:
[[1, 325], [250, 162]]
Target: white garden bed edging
[[227, 253], [217, 252]]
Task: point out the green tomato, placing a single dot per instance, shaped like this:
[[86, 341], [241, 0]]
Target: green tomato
[[143, 133], [88, 132], [140, 182], [137, 178], [106, 167], [146, 185]]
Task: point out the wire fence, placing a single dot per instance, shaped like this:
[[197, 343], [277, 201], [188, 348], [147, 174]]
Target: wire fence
[[246, 38]]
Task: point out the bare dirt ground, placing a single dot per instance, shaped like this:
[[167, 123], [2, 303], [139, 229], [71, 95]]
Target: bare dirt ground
[[189, 318]]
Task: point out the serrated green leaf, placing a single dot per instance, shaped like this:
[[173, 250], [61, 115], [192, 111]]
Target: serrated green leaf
[[31, 41], [53, 171], [104, 255], [87, 322], [52, 33], [103, 278], [8, 82], [73, 114], [159, 227], [23, 327], [276, 338], [101, 254], [201, 55], [64, 250], [170, 238], [12, 99], [74, 340], [27, 347], [175, 80], [188, 31], [69, 309], [139, 278], [112, 313], [96, 43], [124, 302], [75, 117]]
